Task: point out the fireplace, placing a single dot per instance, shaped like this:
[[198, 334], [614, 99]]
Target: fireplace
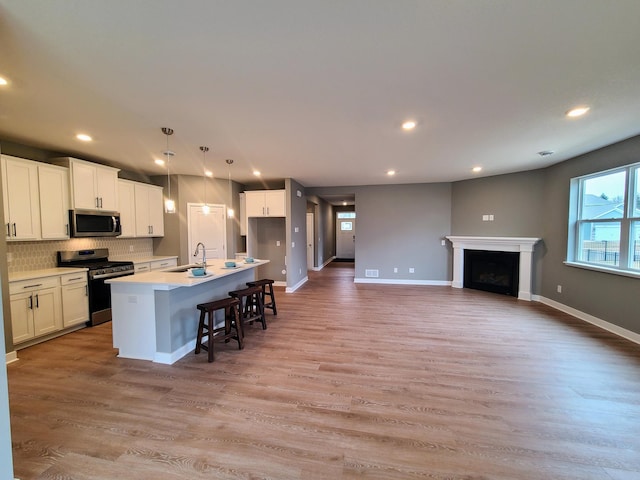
[[491, 271], [522, 245]]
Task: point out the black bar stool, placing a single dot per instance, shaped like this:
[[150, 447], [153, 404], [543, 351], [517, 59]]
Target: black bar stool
[[250, 307], [266, 284], [207, 329]]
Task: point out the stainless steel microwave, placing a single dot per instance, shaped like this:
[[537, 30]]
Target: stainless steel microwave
[[94, 223]]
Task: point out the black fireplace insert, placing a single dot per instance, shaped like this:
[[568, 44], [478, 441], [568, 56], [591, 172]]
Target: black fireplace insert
[[492, 271]]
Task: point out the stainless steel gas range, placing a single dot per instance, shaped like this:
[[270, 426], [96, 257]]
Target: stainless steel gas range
[[100, 269]]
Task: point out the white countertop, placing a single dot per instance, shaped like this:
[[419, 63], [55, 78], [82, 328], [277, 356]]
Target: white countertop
[[167, 280], [153, 258], [47, 272]]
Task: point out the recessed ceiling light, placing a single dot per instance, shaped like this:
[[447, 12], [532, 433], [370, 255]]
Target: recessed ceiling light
[[578, 111], [391, 173], [84, 137], [3, 81], [344, 202], [256, 173], [159, 161], [208, 173], [409, 125], [476, 169]]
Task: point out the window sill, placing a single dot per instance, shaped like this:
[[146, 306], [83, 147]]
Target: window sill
[[597, 268]]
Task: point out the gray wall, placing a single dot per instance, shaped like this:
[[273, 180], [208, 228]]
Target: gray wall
[[399, 226], [191, 189], [612, 298], [296, 219], [516, 202], [268, 232]]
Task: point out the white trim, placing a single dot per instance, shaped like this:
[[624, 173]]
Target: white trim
[[173, 357], [610, 327], [11, 357], [279, 283], [395, 281], [317, 269], [524, 245], [297, 285], [603, 269]]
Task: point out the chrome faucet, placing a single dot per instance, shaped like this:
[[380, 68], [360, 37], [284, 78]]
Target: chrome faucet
[[204, 254]]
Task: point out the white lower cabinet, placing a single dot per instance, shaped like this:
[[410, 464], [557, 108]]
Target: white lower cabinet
[[161, 264], [142, 267], [36, 308], [75, 299]]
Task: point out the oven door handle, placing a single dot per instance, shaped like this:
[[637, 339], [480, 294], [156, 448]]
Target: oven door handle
[[112, 275]]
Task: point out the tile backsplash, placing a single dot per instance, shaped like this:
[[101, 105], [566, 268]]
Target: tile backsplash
[[25, 256]]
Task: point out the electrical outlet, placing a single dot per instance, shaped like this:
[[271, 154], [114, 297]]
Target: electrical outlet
[[485, 218], [559, 289], [491, 218], [293, 244], [297, 229], [412, 270], [277, 243], [443, 243], [395, 269]]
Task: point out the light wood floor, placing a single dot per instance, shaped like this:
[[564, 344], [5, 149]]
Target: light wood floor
[[349, 381]]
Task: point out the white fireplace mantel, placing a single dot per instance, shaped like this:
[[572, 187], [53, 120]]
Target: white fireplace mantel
[[524, 245]]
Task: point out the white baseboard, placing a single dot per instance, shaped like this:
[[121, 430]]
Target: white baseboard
[[317, 269], [395, 281], [297, 285], [173, 357], [598, 322], [11, 357], [279, 283]]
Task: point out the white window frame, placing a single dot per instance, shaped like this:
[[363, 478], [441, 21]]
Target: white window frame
[[626, 255]]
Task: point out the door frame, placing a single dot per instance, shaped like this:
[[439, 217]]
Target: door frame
[[311, 244], [212, 206]]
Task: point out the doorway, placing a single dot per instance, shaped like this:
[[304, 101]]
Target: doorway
[[346, 235], [210, 229], [310, 241]]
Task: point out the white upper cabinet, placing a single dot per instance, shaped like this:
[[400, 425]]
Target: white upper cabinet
[[21, 199], [93, 186], [53, 183], [127, 208], [149, 210], [266, 203]]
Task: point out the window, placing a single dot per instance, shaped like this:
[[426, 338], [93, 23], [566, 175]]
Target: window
[[346, 214], [604, 222], [346, 226]]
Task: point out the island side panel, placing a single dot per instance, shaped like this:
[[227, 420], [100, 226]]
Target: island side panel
[[133, 323], [177, 317]]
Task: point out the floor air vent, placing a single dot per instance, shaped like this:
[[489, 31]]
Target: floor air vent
[[371, 273]]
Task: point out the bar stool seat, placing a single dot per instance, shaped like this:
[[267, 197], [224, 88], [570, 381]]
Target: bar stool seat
[[250, 307], [266, 284], [206, 326]]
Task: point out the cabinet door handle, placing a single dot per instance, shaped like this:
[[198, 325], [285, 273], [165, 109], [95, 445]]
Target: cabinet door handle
[[67, 228], [31, 302], [263, 211], [100, 202], [8, 229], [76, 278], [267, 211], [15, 232], [97, 202], [37, 302], [33, 286], [86, 290]]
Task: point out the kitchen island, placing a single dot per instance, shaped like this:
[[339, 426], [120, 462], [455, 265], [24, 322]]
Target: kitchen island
[[154, 313]]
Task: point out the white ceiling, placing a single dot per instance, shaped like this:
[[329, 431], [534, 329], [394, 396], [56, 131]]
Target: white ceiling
[[317, 90]]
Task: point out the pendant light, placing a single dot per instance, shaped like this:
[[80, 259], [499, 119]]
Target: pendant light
[[205, 207], [229, 208], [169, 204]]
